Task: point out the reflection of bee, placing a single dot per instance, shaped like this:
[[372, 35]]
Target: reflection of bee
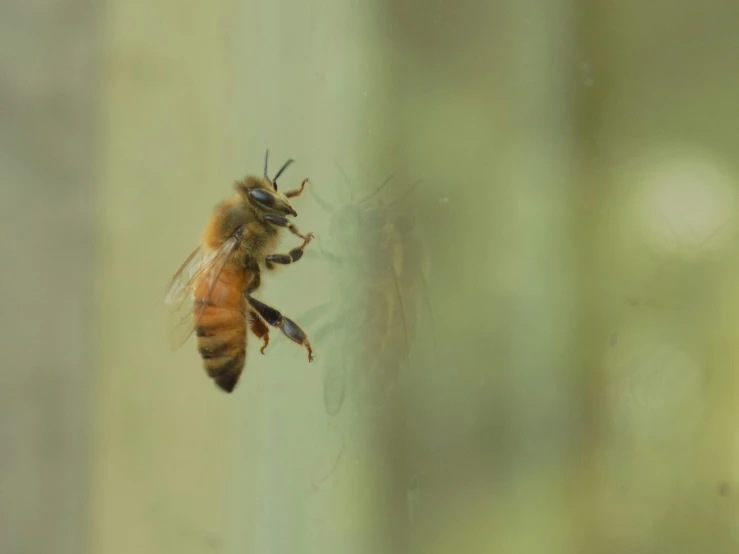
[[211, 292], [380, 280]]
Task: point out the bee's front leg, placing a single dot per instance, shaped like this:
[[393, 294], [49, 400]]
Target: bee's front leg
[[280, 221], [298, 191], [293, 256]]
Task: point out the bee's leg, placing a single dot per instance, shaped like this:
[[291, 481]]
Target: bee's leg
[[296, 192], [284, 222], [274, 318], [293, 256], [259, 328], [256, 279]]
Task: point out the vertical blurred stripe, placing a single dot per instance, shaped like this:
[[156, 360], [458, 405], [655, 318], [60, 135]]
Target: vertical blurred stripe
[[301, 75], [159, 460], [48, 151]]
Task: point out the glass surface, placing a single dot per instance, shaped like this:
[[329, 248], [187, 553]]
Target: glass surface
[[522, 292]]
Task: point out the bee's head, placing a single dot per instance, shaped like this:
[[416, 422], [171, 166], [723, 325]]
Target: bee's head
[[264, 199], [262, 194]]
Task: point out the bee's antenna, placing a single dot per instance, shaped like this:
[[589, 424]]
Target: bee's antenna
[[283, 168], [266, 158]]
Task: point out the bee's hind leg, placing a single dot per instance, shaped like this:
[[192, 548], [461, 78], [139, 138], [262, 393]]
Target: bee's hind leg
[[259, 328], [274, 318]]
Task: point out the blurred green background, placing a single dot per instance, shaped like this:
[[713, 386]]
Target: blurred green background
[[533, 350]]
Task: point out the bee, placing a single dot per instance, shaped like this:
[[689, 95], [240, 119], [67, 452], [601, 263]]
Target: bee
[[380, 278], [211, 293]]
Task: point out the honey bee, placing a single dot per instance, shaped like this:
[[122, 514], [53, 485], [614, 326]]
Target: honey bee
[[380, 278], [211, 293]]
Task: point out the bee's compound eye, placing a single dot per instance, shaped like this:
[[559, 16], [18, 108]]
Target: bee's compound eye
[[262, 197]]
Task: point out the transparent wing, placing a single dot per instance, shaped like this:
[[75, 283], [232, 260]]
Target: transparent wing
[[183, 314]]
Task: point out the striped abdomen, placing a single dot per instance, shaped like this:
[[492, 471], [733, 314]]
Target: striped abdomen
[[221, 331]]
